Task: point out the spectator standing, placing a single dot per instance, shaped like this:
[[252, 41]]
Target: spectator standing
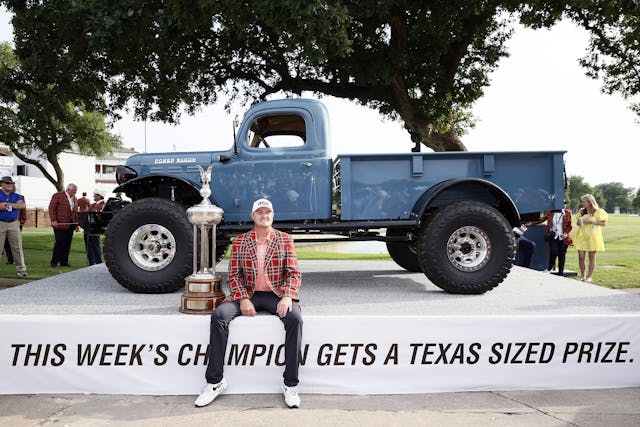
[[558, 236], [22, 218], [94, 253], [83, 203], [588, 237], [63, 214], [10, 205]]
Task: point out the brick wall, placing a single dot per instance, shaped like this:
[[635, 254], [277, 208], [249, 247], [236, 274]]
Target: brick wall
[[37, 217]]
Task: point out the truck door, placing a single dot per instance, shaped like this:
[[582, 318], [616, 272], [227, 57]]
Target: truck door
[[278, 161]]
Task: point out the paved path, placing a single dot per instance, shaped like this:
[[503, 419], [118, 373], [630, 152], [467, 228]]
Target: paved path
[[335, 288], [613, 407]]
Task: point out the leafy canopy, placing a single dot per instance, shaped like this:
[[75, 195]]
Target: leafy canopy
[[37, 124], [424, 63]]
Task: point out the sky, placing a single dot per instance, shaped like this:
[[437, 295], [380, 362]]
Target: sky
[[539, 99]]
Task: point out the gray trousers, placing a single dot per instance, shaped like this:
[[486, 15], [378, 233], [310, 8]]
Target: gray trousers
[[263, 301], [11, 232]]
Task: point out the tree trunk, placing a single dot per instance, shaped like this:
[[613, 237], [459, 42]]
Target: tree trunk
[[419, 125], [448, 141], [421, 130], [59, 183], [59, 172]]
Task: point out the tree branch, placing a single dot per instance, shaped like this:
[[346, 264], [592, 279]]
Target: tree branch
[[35, 163], [459, 45]]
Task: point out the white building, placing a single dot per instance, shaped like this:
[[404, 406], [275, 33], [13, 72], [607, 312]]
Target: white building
[[87, 172]]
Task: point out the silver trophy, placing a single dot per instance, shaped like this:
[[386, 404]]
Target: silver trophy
[[203, 293]]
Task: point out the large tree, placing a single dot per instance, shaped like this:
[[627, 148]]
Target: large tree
[[422, 62], [37, 125], [616, 195]]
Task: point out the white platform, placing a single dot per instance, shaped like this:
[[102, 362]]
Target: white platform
[[369, 328]]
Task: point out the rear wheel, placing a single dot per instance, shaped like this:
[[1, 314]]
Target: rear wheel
[[466, 248], [403, 253]]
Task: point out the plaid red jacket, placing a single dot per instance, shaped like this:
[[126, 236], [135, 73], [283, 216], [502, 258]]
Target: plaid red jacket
[[61, 212], [281, 266], [566, 224]]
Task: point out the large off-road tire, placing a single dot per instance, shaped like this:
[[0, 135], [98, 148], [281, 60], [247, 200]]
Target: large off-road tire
[[403, 253], [466, 248], [148, 246]]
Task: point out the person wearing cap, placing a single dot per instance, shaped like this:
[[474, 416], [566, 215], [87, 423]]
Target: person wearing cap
[[94, 253], [22, 218], [10, 205], [63, 215], [263, 276]]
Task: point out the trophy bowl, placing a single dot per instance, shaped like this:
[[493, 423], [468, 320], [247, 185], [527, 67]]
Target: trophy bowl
[[205, 215]]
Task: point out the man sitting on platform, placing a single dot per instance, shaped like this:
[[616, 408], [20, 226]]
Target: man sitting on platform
[[263, 276]]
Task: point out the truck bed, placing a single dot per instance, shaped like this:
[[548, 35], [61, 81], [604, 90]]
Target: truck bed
[[387, 186]]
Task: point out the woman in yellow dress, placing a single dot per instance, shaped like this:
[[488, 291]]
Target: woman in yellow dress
[[588, 236]]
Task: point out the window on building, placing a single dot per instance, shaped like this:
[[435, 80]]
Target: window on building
[[21, 170]]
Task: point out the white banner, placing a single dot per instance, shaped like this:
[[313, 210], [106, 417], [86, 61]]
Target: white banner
[[166, 355]]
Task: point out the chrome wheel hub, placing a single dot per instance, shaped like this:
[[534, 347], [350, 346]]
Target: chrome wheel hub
[[469, 248], [152, 247]]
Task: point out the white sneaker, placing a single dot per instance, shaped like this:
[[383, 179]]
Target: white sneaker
[[291, 397], [210, 392]]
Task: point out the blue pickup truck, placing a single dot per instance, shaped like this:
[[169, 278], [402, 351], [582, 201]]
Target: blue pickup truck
[[449, 215]]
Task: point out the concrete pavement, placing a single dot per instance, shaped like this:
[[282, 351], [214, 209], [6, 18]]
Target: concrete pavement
[[607, 407]]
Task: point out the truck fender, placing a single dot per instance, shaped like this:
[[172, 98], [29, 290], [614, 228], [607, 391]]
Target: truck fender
[[168, 187], [467, 189]]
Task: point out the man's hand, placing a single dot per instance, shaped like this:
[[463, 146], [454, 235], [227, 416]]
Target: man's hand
[[284, 306], [247, 308]]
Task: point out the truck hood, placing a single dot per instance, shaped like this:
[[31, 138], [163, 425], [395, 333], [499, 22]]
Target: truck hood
[[202, 158]]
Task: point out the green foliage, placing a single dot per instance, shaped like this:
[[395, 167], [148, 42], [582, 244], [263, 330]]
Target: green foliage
[[38, 123], [577, 188], [424, 63], [636, 201], [616, 195], [608, 195]]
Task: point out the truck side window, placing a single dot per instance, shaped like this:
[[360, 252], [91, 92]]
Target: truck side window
[[282, 130]]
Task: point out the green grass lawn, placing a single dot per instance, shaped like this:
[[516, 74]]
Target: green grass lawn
[[618, 266], [38, 246]]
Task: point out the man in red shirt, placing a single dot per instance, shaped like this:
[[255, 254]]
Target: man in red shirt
[[63, 214], [263, 276], [83, 203]]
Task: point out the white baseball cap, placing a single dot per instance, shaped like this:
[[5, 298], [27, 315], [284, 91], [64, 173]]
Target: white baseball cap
[[99, 192], [261, 203]]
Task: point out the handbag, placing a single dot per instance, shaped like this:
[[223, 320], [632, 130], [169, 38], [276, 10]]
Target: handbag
[[549, 235]]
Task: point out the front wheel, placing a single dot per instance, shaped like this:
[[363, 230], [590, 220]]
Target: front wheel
[[148, 246], [466, 248]]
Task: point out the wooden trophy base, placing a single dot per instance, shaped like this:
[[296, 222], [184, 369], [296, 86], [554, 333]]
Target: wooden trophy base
[[202, 294]]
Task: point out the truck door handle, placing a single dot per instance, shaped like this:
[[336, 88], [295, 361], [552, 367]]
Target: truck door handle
[[307, 164]]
